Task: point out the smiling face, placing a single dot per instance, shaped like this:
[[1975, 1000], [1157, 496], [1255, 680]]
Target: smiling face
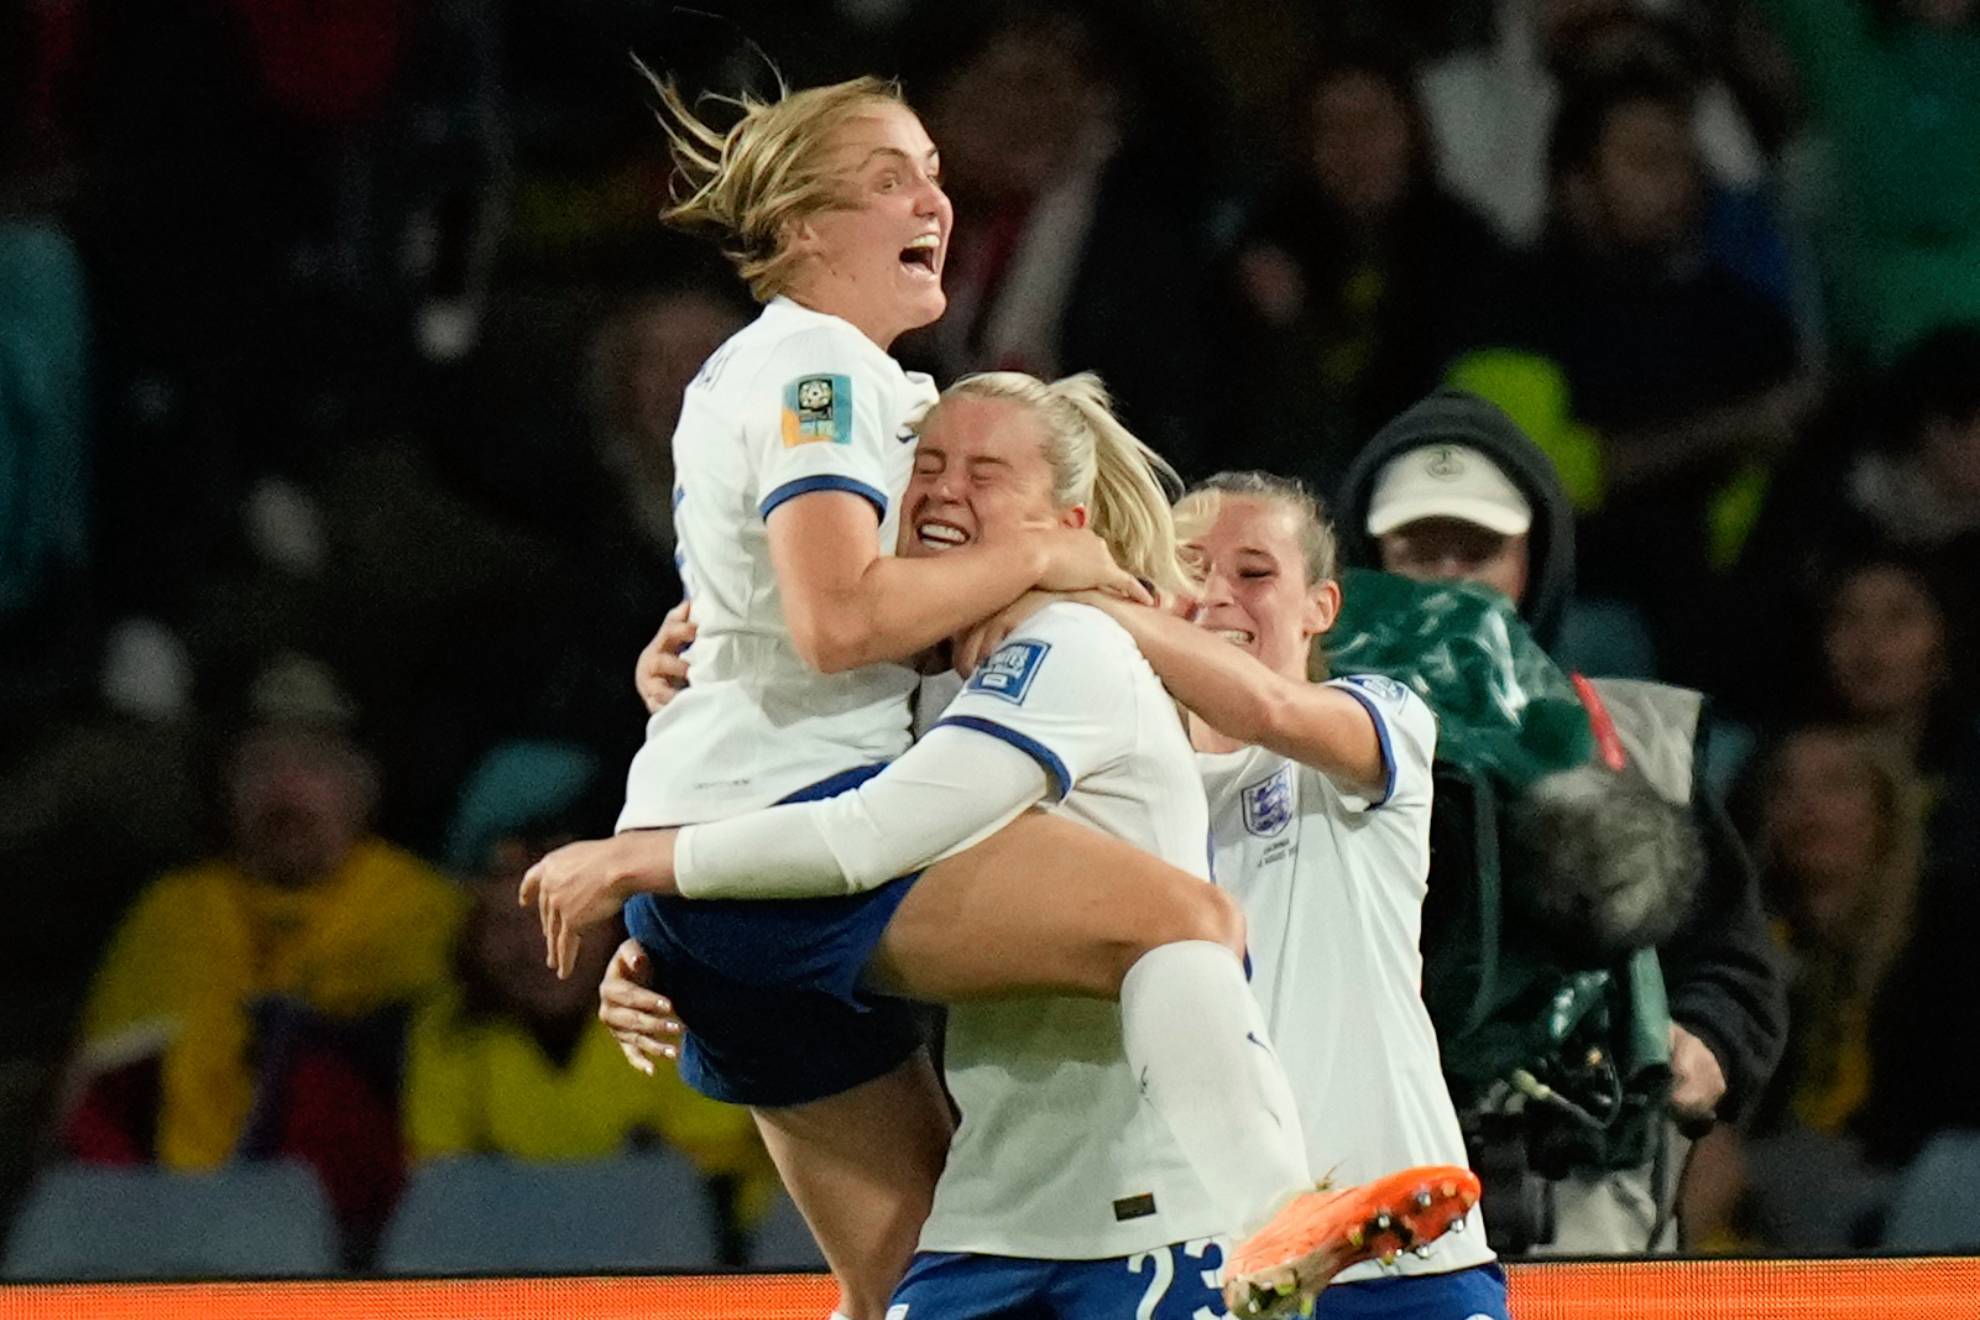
[[980, 473], [1885, 644], [1255, 592], [875, 257]]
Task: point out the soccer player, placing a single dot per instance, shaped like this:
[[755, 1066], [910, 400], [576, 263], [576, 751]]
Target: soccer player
[[791, 451], [1320, 820], [1064, 1194]]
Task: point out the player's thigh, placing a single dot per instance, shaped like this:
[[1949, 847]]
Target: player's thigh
[[1045, 904], [862, 1167], [1177, 1282]]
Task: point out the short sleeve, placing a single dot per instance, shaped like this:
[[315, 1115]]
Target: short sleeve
[[1060, 690], [820, 421], [1408, 734]]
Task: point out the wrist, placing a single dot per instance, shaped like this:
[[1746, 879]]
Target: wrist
[[643, 863]]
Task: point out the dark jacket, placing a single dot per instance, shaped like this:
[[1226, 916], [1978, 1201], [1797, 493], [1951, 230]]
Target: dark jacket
[[1724, 983]]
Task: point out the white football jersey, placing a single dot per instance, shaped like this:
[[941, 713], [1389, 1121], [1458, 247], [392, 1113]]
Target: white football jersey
[[1332, 884], [1058, 1157], [795, 402]]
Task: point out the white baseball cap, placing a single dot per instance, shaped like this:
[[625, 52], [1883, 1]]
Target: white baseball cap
[[1446, 481]]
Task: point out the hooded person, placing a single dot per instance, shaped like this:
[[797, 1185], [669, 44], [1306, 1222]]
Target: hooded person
[[1624, 863]]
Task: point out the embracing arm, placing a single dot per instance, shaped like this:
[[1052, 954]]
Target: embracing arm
[[1313, 724], [951, 789], [849, 605]]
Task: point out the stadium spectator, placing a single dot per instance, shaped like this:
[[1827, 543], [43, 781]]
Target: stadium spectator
[[1081, 252], [306, 918], [1662, 387], [1898, 468], [1888, 662], [641, 360], [1840, 841], [1491, 109], [1453, 489], [1894, 86], [510, 1060], [1351, 277]]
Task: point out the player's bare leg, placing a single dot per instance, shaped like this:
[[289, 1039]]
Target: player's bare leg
[[862, 1167], [1044, 905], [1047, 905]]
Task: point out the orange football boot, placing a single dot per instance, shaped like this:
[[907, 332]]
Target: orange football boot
[[1283, 1266]]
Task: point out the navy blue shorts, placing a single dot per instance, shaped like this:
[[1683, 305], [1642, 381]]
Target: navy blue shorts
[[1478, 1293], [769, 990], [1169, 1283]]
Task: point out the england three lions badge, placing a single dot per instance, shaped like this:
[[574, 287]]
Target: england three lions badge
[[1268, 804]]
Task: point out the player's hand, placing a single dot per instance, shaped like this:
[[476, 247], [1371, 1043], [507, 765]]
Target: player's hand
[[1697, 1081], [992, 632], [661, 673], [642, 1022], [584, 884], [1078, 560]]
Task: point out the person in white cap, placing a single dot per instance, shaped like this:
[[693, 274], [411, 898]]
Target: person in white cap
[[1453, 489], [1448, 511]]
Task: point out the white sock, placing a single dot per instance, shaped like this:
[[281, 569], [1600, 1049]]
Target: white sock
[[1196, 1038]]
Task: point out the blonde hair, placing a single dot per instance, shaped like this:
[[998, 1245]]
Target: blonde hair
[[768, 170], [1885, 904], [1097, 462], [1318, 549]]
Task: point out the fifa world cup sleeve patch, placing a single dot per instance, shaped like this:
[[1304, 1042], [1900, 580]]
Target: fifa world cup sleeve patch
[[1009, 671], [818, 409], [1378, 686]]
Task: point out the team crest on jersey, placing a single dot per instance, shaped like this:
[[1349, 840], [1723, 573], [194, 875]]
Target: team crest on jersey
[[1268, 804], [818, 409], [1009, 670], [1377, 686]]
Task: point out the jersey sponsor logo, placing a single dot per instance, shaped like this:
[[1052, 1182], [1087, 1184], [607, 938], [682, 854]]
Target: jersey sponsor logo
[[1268, 804], [1009, 671], [1377, 686], [818, 409]]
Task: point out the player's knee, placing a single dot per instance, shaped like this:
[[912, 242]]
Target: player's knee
[[1184, 913], [1213, 915]]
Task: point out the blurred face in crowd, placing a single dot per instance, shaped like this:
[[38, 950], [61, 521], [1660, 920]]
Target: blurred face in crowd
[[1822, 817], [1885, 644], [1255, 593], [1013, 115], [1363, 155], [1950, 452], [875, 257], [298, 801], [505, 945], [1452, 550], [980, 472], [1642, 189], [651, 355]]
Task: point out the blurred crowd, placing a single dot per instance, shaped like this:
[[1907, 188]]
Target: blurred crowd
[[340, 349]]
